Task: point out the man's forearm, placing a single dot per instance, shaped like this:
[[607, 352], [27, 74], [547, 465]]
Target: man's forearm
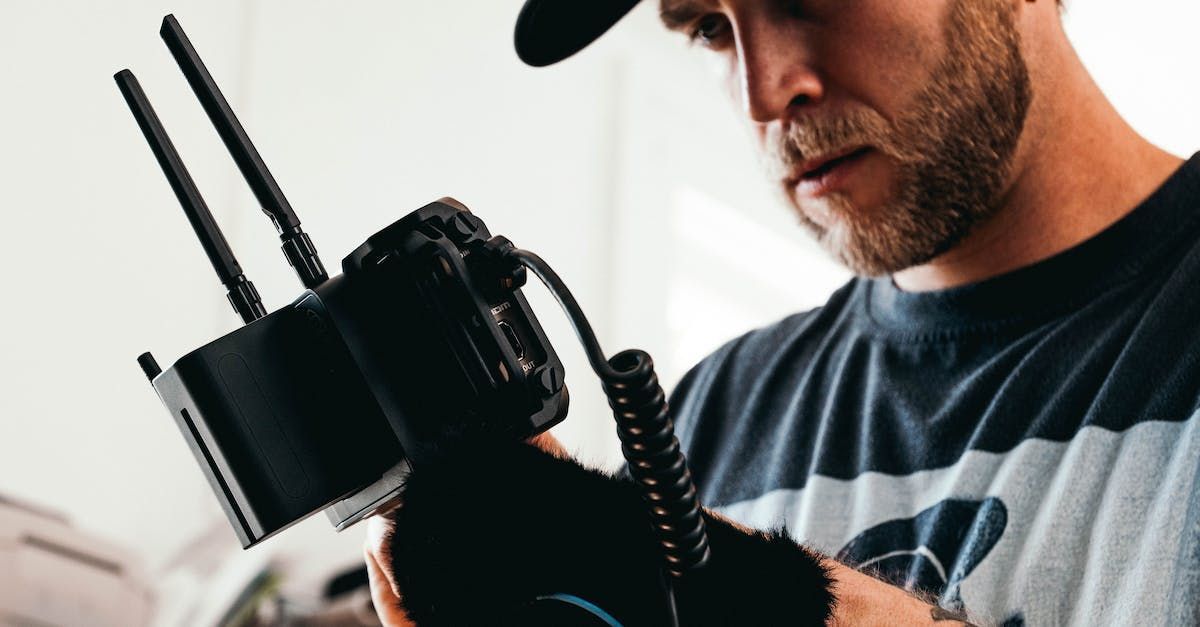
[[864, 601]]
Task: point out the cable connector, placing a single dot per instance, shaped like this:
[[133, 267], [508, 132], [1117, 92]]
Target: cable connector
[[503, 269]]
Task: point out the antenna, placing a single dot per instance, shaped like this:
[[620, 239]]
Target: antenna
[[242, 294], [297, 246]]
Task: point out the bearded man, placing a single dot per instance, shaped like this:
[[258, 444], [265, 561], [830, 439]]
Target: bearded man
[[1000, 412]]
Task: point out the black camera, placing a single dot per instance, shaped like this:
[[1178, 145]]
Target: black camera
[[329, 403], [422, 344]]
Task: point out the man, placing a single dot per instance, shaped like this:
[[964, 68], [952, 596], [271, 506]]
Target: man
[[1001, 411]]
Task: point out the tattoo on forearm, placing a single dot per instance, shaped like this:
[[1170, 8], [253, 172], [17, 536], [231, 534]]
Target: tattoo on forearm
[[941, 614]]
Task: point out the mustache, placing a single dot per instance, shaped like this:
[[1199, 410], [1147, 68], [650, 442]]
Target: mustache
[[809, 137]]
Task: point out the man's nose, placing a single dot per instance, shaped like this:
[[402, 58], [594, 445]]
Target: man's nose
[[776, 72]]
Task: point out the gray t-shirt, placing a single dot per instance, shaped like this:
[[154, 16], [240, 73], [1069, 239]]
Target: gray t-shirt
[[1027, 447]]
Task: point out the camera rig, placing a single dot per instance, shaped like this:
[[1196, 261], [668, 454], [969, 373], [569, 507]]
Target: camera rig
[[424, 340]]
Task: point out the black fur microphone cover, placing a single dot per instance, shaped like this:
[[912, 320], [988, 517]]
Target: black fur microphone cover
[[491, 528]]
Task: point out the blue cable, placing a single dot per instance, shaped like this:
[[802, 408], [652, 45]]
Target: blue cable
[[583, 604]]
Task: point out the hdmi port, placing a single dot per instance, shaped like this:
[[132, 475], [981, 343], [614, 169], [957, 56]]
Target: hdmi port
[[510, 334]]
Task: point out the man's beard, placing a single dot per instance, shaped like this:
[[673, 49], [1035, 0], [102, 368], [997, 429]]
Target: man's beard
[[952, 149]]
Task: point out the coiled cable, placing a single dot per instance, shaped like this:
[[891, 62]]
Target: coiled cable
[[656, 462], [648, 441]]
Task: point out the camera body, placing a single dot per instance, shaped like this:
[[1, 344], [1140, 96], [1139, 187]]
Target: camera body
[[329, 403], [332, 401], [422, 345]]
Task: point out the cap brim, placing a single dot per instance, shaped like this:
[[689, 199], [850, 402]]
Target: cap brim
[[549, 31]]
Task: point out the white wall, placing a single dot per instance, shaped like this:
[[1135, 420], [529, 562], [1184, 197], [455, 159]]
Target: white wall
[[1140, 54], [618, 166], [100, 266]]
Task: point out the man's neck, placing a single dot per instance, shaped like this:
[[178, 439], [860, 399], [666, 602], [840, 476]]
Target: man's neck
[[1080, 168]]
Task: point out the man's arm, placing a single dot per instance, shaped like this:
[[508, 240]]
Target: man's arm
[[864, 601]]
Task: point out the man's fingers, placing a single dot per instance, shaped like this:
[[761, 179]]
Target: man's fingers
[[384, 593], [550, 444], [378, 550]]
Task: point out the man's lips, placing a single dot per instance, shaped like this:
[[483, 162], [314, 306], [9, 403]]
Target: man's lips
[[814, 168], [820, 175]]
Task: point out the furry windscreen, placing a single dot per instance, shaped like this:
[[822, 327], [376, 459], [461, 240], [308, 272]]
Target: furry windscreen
[[487, 531]]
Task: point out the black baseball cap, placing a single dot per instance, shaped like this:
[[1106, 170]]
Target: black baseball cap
[[549, 31]]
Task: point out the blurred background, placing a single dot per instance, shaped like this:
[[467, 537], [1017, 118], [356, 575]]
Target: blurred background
[[625, 167]]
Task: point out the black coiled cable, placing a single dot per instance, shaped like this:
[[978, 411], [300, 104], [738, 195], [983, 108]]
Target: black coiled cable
[[648, 441], [655, 460]]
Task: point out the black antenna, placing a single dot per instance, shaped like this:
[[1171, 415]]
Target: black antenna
[[297, 246], [242, 294]]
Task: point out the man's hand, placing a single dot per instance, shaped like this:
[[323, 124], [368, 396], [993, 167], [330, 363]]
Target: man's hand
[[385, 594]]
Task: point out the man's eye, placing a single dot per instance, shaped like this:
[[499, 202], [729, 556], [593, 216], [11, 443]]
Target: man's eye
[[710, 30]]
